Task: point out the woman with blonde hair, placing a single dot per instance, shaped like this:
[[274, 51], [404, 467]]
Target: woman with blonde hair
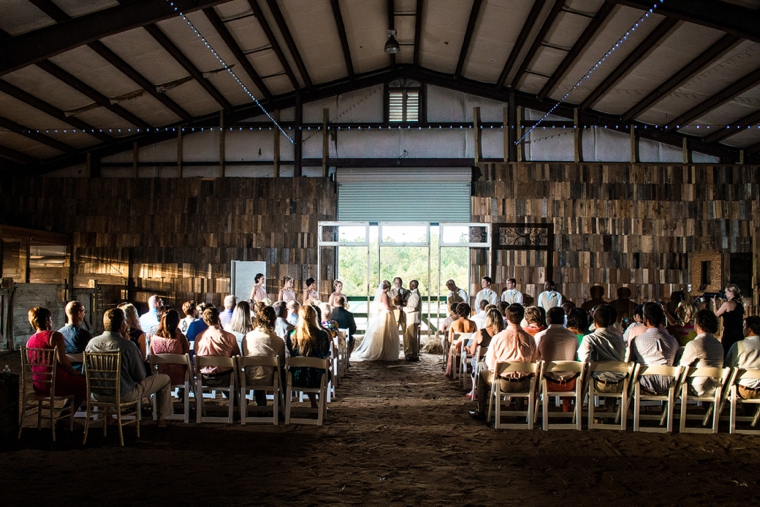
[[241, 322], [338, 293], [494, 325], [732, 311], [262, 341], [308, 339], [682, 328], [135, 333]]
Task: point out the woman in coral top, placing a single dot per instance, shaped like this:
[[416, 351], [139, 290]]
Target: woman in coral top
[[170, 340], [67, 380]]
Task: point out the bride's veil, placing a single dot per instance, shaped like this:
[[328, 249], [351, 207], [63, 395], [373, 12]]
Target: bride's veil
[[376, 306]]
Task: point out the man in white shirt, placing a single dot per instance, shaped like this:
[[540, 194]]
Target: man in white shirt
[[413, 313], [511, 295], [150, 318], [703, 351], [556, 343], [549, 298], [398, 295], [453, 289], [746, 354], [480, 317], [656, 347], [486, 293]]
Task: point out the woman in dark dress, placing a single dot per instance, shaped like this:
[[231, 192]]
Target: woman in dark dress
[[732, 311], [308, 339]]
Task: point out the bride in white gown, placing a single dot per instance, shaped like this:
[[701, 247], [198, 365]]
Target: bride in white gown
[[381, 341]]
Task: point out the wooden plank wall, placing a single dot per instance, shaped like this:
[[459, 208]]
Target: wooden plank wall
[[179, 234], [619, 225]]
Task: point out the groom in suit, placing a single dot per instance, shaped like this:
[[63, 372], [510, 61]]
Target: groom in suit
[[398, 295], [412, 312]]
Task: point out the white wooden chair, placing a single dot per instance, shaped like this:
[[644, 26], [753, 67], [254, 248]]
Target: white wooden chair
[[457, 358], [321, 391], [577, 414], [622, 411], [246, 362], [334, 369], [103, 374], [224, 362], [343, 352], [480, 352], [46, 361], [667, 399], [496, 395], [180, 359], [735, 400], [721, 377]]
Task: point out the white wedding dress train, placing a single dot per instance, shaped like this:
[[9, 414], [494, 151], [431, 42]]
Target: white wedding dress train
[[381, 342]]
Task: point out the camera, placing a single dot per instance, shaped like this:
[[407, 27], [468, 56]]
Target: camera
[[707, 296]]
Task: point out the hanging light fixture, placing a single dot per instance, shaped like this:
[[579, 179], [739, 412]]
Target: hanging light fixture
[[391, 46]]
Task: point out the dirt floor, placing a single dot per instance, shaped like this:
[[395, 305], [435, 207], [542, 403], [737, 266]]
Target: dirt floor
[[399, 433]]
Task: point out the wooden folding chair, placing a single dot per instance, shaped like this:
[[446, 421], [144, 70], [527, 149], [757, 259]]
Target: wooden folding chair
[[565, 366], [321, 391], [224, 362], [720, 376], [181, 359], [246, 362], [622, 411], [103, 374], [735, 400], [531, 369], [668, 398], [45, 362]]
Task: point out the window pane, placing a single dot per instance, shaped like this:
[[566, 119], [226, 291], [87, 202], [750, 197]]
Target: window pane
[[396, 106], [412, 106]]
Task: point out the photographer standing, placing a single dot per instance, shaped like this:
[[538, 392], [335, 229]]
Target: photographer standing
[[732, 311]]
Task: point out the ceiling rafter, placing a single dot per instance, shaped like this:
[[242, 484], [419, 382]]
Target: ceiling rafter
[[535, 11], [91, 93], [661, 32], [741, 126], [40, 138], [417, 32], [720, 48], [538, 41], [596, 23], [37, 45], [232, 44], [185, 62], [18, 156], [285, 31], [273, 42], [468, 36], [46, 108], [725, 95], [51, 9], [343, 38], [726, 17]]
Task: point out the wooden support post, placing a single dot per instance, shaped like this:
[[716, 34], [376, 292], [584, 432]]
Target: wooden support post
[[298, 138], [741, 157], [276, 145], [325, 141], [634, 145], [476, 137], [27, 261], [518, 133], [135, 159], [89, 164], [180, 152], [221, 145], [511, 126], [685, 150], [506, 133], [577, 145]]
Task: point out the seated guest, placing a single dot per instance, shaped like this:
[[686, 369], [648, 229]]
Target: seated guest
[[198, 325], [577, 322], [638, 326], [170, 340], [494, 325], [328, 324], [308, 340], [240, 323], [151, 317], [281, 326], [511, 345], [555, 343], [160, 312], [604, 344], [134, 331], [262, 341], [229, 306], [345, 320], [535, 320], [682, 327], [74, 335], [703, 351], [68, 381], [656, 347], [215, 341], [293, 312], [462, 325], [480, 317], [623, 304], [597, 295], [134, 384], [745, 354], [190, 313]]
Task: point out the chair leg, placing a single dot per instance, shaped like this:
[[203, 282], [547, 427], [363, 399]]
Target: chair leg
[[52, 418], [288, 402], [243, 406]]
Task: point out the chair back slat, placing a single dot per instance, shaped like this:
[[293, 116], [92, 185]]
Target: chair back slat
[[658, 369], [516, 368], [204, 361], [103, 373], [610, 366], [573, 366], [271, 361], [307, 362], [156, 359], [746, 374], [40, 366]]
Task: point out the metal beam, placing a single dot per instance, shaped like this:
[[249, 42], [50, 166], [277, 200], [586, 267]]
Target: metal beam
[[535, 11], [178, 55], [725, 95], [343, 39], [417, 32], [391, 26], [53, 111], [556, 9], [283, 26], [741, 126], [468, 36], [663, 31], [90, 92], [724, 45], [577, 50], [724, 16], [273, 42], [27, 132], [35, 46], [232, 44]]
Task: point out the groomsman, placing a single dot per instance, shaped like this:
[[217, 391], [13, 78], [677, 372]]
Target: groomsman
[[398, 295], [549, 298], [413, 313], [454, 290], [511, 295], [487, 293]]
